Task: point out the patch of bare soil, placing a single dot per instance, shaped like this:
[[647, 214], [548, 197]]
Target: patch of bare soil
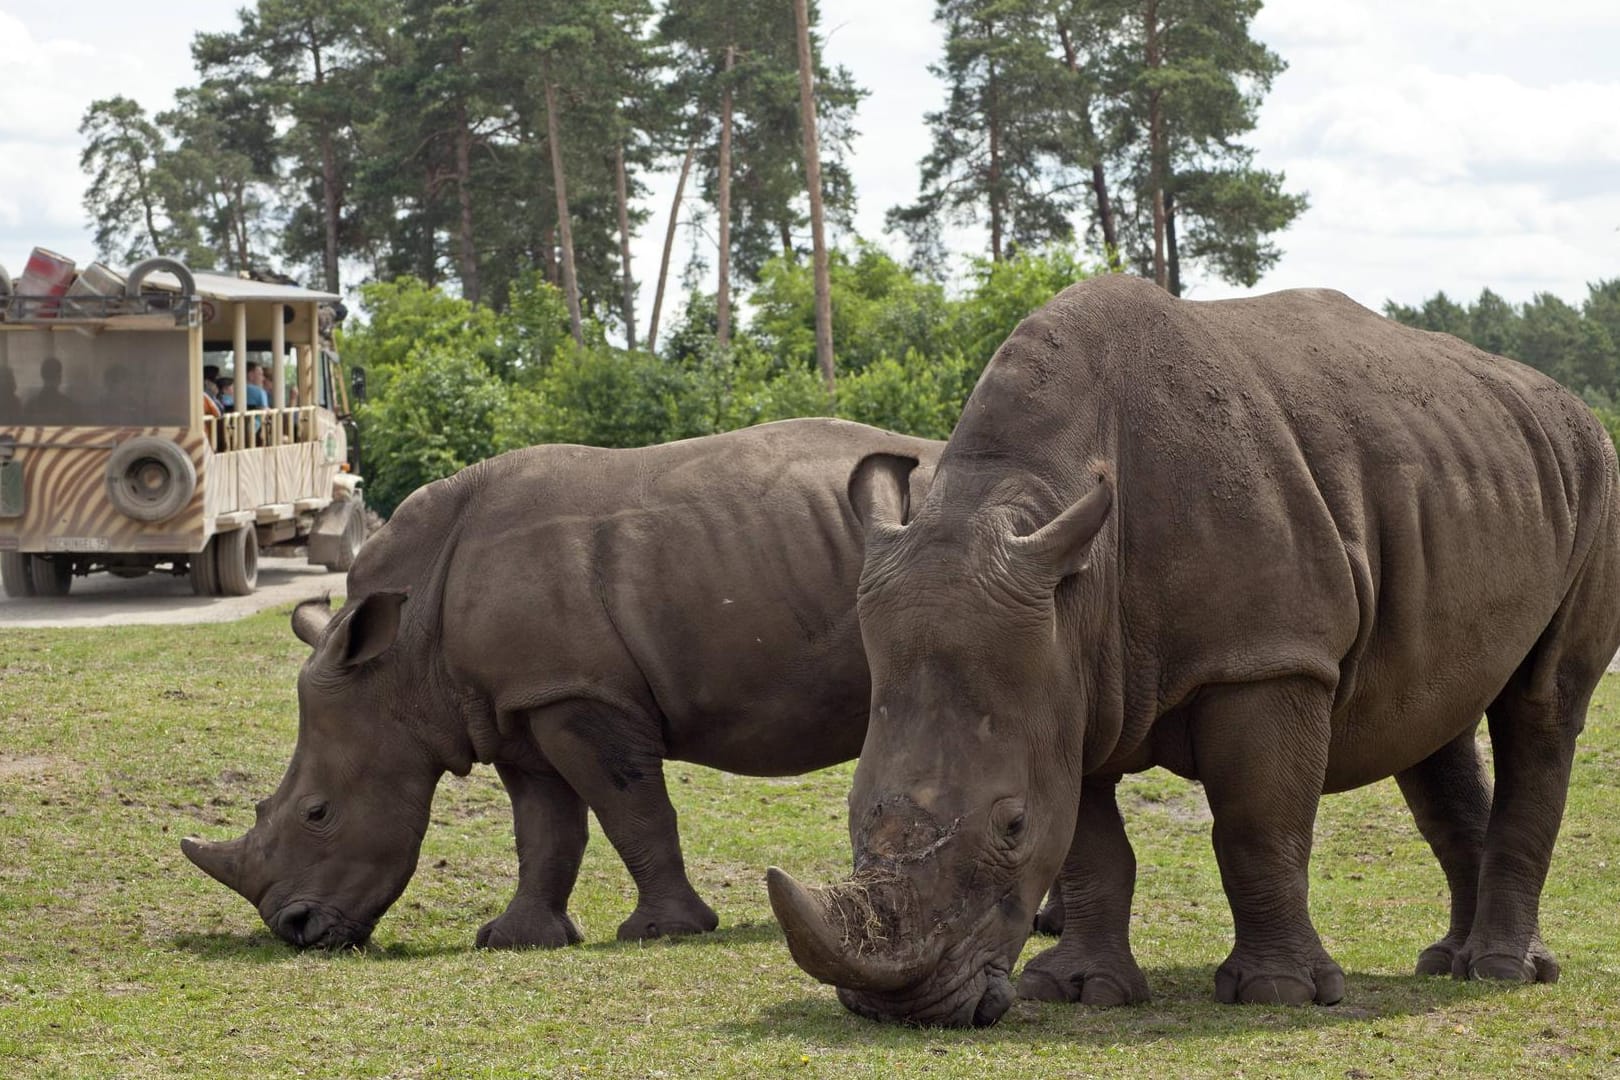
[[1188, 809]]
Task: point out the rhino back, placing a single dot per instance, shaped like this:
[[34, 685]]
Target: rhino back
[[709, 583], [1303, 486]]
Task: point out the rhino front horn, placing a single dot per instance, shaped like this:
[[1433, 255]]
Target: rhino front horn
[[222, 862], [860, 952]]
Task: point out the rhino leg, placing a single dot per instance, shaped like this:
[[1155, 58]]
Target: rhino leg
[[549, 818], [1450, 798], [616, 761], [1092, 963], [1262, 753], [1049, 920]]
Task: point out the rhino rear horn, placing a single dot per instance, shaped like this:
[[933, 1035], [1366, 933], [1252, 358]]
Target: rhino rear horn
[[310, 618]]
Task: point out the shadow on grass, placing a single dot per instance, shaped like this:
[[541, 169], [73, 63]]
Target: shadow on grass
[[745, 933], [1183, 1007], [264, 949]]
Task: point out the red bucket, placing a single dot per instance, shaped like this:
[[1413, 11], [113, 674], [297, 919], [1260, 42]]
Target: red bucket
[[48, 275]]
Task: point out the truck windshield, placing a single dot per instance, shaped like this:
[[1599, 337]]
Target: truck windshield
[[79, 378]]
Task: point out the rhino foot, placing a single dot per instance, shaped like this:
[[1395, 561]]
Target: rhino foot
[[525, 927], [668, 920], [1056, 975], [1537, 964], [1439, 958], [1239, 982]]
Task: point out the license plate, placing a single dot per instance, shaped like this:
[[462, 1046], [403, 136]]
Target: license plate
[[77, 543]]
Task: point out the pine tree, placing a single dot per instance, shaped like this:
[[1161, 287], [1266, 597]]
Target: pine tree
[[126, 196], [1189, 81], [314, 60], [996, 149]]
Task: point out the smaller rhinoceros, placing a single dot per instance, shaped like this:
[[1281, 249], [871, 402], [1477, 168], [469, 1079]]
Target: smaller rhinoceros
[[573, 616]]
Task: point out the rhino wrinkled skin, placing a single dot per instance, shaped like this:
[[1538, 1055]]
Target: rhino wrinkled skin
[[1279, 545], [574, 616]]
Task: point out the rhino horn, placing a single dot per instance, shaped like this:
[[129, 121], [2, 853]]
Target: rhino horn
[[221, 861], [859, 955], [310, 617]]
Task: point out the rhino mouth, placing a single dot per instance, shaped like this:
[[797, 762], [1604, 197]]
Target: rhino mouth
[[978, 1001], [309, 924]]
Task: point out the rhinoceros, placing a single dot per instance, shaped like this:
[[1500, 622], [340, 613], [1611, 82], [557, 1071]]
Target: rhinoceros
[[574, 616], [1280, 545]]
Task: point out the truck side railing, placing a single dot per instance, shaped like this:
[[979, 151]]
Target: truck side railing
[[257, 428]]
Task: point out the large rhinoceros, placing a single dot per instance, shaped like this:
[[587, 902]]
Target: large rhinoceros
[[1280, 545], [574, 616]]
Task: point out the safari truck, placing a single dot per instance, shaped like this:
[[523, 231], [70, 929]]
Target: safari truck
[[114, 458]]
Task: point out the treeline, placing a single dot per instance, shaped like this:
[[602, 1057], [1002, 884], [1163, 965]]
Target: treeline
[[1578, 346], [472, 143], [451, 383]]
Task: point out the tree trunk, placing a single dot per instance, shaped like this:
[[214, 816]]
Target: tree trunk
[[1105, 212], [560, 182], [329, 183], [669, 244], [1156, 146], [785, 234], [1172, 261], [1099, 179], [329, 199], [623, 187], [722, 303], [469, 254], [548, 256], [148, 210], [812, 173], [993, 117]]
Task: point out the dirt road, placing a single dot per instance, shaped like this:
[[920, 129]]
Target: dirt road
[[163, 599]]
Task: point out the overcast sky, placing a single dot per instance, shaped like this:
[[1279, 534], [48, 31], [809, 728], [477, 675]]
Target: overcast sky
[[1444, 144]]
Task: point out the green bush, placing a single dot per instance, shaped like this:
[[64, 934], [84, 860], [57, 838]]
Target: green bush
[[453, 383], [438, 416]]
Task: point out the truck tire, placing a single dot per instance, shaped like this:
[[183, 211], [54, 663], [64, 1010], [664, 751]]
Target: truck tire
[[203, 569], [52, 576], [150, 479], [237, 561], [15, 576]]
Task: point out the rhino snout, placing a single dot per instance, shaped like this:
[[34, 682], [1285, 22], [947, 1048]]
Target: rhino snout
[[307, 925]]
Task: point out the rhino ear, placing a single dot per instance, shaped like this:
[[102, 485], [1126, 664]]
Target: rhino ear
[[1063, 545], [880, 490], [364, 632]]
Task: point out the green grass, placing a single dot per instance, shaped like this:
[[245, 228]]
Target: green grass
[[118, 958]]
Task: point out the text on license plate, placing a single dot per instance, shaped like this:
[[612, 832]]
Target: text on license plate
[[77, 543]]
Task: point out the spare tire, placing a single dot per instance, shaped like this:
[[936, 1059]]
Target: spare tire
[[150, 479]]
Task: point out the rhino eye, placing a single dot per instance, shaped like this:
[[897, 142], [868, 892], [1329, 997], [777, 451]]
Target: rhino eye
[[1008, 818], [316, 812]]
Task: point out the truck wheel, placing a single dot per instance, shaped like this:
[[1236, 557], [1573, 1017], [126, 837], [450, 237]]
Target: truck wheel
[[237, 561], [150, 479], [354, 534], [52, 576], [14, 575], [204, 569]]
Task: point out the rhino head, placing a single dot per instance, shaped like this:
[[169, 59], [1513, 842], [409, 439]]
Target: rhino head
[[338, 841], [964, 799]]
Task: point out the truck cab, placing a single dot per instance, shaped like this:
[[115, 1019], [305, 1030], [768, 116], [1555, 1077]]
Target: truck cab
[[114, 457]]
